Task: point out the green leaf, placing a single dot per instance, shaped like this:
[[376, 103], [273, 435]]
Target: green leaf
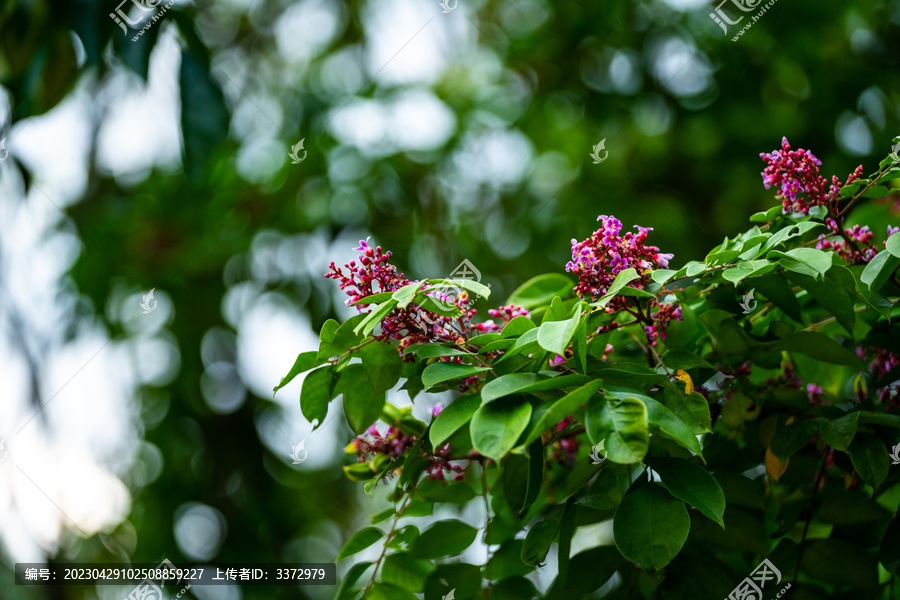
[[622, 279], [496, 426], [893, 245], [538, 540], [437, 351], [666, 420], [839, 433], [452, 418], [650, 526], [662, 276], [440, 372], [466, 284], [444, 538], [517, 327], [386, 591], [327, 349], [539, 290], [347, 590], [554, 336], [624, 426], [879, 270], [832, 297], [406, 572], [382, 364], [870, 459], [522, 478], [806, 261], [579, 346], [362, 405], [563, 407], [749, 268], [521, 383], [820, 347], [693, 484], [693, 410], [360, 541], [779, 292], [404, 295], [368, 324], [316, 393], [305, 361]]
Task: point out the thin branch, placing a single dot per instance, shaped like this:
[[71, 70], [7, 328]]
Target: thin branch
[[487, 526], [390, 536]]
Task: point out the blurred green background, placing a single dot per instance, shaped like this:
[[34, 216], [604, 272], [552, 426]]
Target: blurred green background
[[163, 164]]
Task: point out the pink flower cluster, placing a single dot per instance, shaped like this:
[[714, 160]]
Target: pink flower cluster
[[394, 444], [862, 251], [373, 268], [883, 363], [505, 313], [796, 172], [373, 274], [597, 260]]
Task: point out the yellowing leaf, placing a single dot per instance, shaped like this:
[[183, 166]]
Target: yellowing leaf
[[774, 467], [688, 383]]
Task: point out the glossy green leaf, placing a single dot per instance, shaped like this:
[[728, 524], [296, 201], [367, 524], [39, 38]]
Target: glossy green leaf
[[624, 426], [820, 347], [539, 290], [382, 365], [563, 407], [650, 526], [879, 270], [348, 589], [538, 540], [692, 484], [452, 418], [360, 541], [554, 336], [315, 394], [305, 361], [870, 458], [444, 538], [440, 372], [386, 591], [839, 433], [406, 572], [368, 324], [893, 245], [496, 426], [521, 383], [807, 261], [362, 405]]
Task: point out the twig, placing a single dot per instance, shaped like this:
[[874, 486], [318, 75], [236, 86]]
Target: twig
[[390, 536], [487, 527]]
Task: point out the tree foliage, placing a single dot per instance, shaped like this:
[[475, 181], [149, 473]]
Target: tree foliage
[[737, 408]]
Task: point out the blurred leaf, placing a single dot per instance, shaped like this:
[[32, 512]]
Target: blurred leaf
[[204, 116], [539, 290]]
